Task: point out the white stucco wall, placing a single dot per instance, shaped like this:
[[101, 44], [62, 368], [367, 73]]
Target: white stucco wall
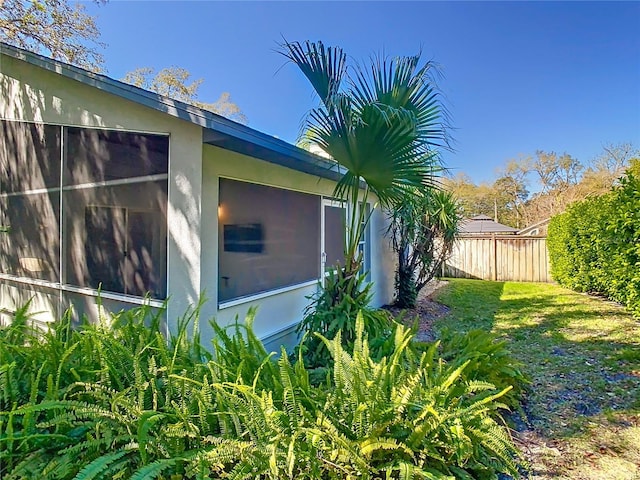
[[32, 94], [383, 261]]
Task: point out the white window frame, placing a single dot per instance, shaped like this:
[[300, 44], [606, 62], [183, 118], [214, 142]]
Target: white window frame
[[364, 244], [329, 202]]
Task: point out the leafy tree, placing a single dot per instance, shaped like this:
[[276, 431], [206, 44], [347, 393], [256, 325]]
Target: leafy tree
[[493, 200], [511, 188], [555, 172], [63, 30], [422, 232], [512, 193], [380, 123], [607, 168], [473, 199], [173, 82], [562, 179], [565, 181]]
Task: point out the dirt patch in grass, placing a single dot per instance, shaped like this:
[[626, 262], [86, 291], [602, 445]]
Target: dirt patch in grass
[[426, 312], [582, 410]]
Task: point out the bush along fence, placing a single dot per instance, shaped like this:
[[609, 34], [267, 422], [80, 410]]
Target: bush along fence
[[117, 400], [595, 245]]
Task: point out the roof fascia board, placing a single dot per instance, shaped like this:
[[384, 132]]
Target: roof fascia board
[[280, 153], [109, 85]]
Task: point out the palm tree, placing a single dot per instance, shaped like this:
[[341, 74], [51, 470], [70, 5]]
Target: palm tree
[[382, 124], [382, 128], [422, 232]]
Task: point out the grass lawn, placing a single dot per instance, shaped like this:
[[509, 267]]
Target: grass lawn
[[582, 355]]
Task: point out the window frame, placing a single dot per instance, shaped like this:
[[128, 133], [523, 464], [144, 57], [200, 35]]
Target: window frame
[[334, 203], [325, 200], [251, 297], [364, 244], [61, 188]]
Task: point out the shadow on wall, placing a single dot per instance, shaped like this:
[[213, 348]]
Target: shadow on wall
[[45, 303]]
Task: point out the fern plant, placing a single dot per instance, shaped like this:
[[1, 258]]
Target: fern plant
[[416, 417], [488, 360], [146, 407], [93, 387], [334, 309]]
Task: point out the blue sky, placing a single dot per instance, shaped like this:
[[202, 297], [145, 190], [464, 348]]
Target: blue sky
[[518, 76]]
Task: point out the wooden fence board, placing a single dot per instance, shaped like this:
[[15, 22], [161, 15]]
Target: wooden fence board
[[500, 257]]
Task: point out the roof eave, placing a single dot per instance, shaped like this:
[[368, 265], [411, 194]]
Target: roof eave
[[218, 130]]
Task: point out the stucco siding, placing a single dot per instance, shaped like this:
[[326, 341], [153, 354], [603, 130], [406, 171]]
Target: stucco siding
[[383, 261], [44, 302]]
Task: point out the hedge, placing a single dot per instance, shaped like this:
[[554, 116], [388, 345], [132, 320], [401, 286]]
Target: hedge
[[594, 246]]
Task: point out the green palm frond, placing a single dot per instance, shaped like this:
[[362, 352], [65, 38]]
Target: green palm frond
[[324, 67], [382, 125], [402, 84]]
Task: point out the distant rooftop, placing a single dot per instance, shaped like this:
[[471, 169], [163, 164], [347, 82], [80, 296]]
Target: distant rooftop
[[482, 224], [538, 228]]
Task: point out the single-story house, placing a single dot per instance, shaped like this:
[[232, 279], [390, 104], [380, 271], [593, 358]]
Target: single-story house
[[484, 225], [112, 192]]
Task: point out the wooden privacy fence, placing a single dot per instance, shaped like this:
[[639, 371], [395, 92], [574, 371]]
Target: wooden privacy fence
[[499, 257]]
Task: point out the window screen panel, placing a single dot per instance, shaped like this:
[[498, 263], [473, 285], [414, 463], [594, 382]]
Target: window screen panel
[[334, 235], [105, 247], [145, 265], [29, 235], [115, 238], [272, 238], [29, 156], [94, 155]]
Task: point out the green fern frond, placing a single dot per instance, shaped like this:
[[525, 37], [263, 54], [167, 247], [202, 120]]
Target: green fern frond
[[95, 469], [153, 470], [474, 386], [408, 471], [30, 466], [146, 421], [453, 376], [484, 401], [371, 445]]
